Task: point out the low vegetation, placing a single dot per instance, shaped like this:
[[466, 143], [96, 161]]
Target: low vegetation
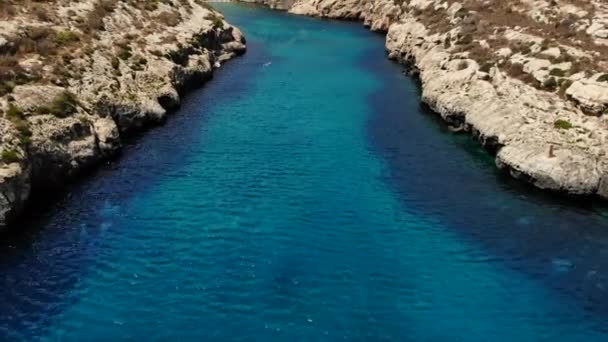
[[10, 156], [63, 105], [562, 124], [557, 72], [16, 117], [217, 21], [480, 28]]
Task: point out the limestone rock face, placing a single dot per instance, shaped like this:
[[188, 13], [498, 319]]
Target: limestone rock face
[[591, 96], [100, 70], [108, 138], [509, 117], [14, 190], [60, 148], [523, 93], [378, 14]]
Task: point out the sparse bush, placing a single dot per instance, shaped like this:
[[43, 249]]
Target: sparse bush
[[125, 53], [464, 39], [171, 18], [66, 37], [562, 124], [6, 87], [139, 63], [63, 105], [14, 112], [515, 70], [557, 72], [486, 67], [216, 20], [25, 134], [15, 115], [36, 39], [461, 13], [550, 83], [95, 18], [10, 156], [142, 61], [41, 13], [177, 57], [603, 78]]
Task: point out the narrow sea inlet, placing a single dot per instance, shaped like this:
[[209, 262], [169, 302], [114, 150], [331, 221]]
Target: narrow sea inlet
[[305, 195]]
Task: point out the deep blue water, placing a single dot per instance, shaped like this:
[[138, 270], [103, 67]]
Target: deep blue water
[[304, 195]]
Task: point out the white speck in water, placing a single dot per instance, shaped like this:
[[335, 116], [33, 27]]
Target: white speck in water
[[561, 265]]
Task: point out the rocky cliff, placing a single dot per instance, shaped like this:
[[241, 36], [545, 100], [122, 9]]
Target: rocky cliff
[[529, 78], [77, 76]]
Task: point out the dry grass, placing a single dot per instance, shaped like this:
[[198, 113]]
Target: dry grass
[[489, 19], [169, 18]]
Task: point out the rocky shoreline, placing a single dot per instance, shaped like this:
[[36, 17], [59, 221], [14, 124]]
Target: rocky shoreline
[[527, 78], [536, 98], [78, 77]]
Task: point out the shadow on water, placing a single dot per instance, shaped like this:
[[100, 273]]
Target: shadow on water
[[43, 258], [561, 242]]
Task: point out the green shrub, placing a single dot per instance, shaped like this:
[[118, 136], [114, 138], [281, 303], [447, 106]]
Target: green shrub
[[6, 87], [15, 115], [25, 133], [14, 112], [216, 20], [516, 70], [557, 72], [63, 105], [461, 13], [562, 124], [66, 37], [10, 156], [142, 61], [550, 83], [125, 53], [486, 67], [139, 63], [603, 78]]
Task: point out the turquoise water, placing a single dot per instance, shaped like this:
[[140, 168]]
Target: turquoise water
[[304, 195]]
